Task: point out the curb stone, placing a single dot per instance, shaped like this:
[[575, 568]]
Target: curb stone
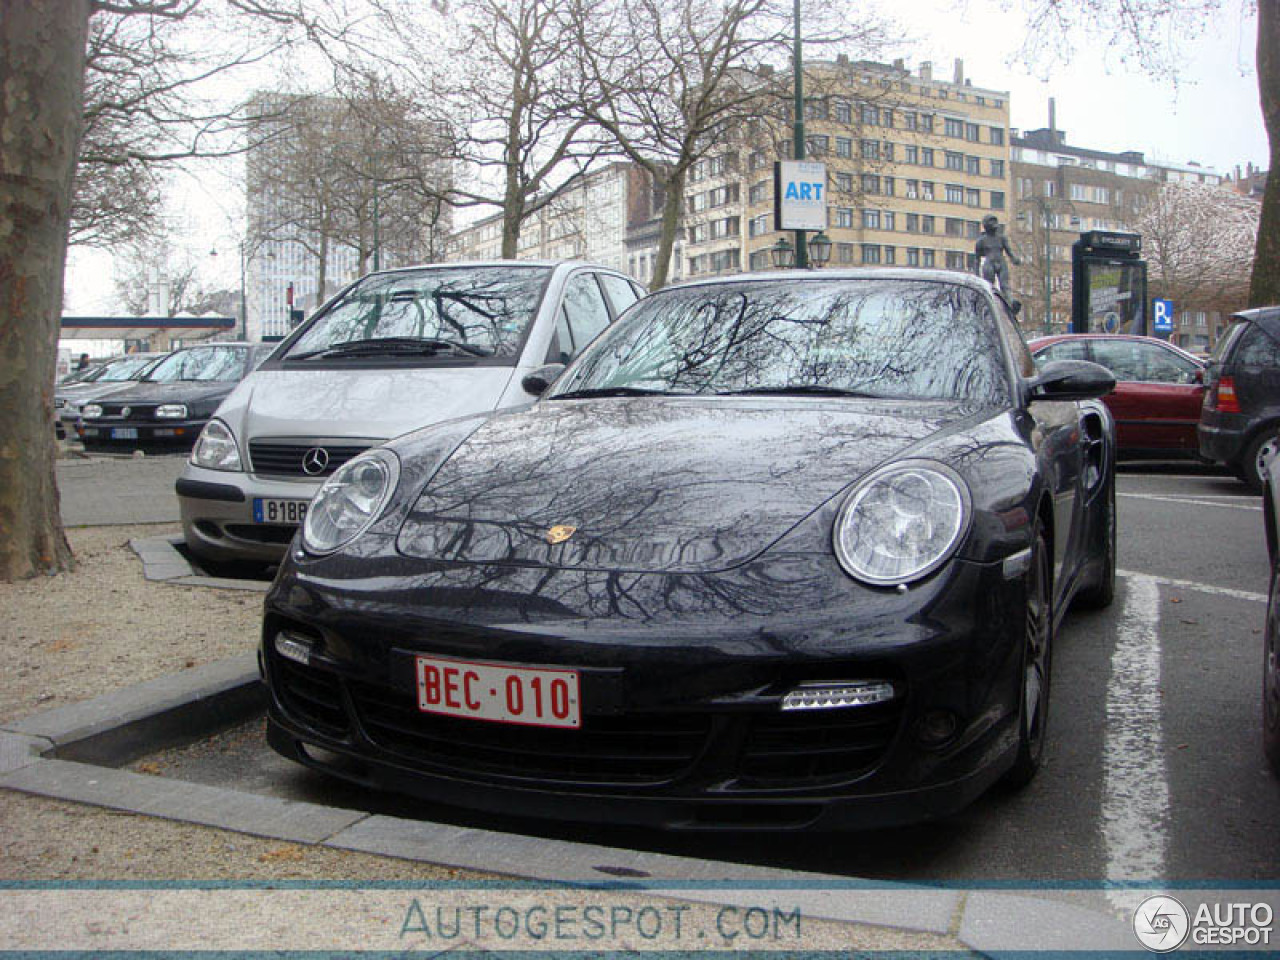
[[162, 562]]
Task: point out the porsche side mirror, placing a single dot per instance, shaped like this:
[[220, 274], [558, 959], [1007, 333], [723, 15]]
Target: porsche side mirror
[[537, 381], [1071, 380]]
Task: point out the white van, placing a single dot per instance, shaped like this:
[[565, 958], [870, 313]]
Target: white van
[[398, 350]]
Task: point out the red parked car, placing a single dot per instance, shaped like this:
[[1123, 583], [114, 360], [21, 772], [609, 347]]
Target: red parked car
[[1159, 390]]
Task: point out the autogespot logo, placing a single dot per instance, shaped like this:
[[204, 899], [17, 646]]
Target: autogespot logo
[[1161, 924]]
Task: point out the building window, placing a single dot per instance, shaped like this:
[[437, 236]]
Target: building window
[[997, 200], [910, 120], [844, 252], [971, 132], [760, 260], [973, 228], [913, 223], [1079, 191], [927, 258], [1051, 188], [817, 146], [926, 189], [1101, 195], [997, 136], [973, 165], [844, 147], [913, 256], [844, 217], [926, 156], [759, 192], [954, 227], [913, 189], [870, 115], [955, 260], [955, 161], [870, 183], [972, 197], [844, 182], [871, 219], [887, 150], [955, 193], [870, 253], [758, 225], [886, 117], [890, 220], [890, 185], [891, 255], [911, 153], [842, 111], [997, 168], [815, 110], [952, 127], [869, 149], [926, 224]]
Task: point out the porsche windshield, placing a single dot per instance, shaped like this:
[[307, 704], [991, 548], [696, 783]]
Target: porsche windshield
[[860, 337], [451, 312]]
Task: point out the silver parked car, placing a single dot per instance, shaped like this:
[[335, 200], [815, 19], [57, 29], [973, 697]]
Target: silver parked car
[[396, 351]]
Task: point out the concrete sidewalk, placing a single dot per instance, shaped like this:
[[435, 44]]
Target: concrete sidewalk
[[103, 490]]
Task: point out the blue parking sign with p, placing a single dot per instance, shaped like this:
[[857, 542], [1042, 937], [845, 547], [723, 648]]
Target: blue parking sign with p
[[1162, 316]]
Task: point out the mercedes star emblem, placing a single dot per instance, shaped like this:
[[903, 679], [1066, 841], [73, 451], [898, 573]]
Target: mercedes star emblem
[[314, 461]]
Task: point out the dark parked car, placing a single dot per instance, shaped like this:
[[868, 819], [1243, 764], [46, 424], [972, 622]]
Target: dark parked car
[[1159, 390], [168, 407], [1241, 413], [110, 376], [1271, 633], [774, 551]]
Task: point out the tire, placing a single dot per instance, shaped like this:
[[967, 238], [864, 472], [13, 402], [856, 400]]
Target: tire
[[1271, 678], [1102, 594], [1251, 466], [1036, 668]]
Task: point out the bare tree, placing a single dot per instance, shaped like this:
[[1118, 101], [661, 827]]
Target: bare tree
[[1142, 30], [503, 82], [680, 82], [42, 56], [139, 264], [1199, 242]]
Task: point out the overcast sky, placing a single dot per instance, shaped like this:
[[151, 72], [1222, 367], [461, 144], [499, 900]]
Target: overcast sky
[[1210, 116]]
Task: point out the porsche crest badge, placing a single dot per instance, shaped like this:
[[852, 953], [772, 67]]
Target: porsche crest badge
[[560, 533]]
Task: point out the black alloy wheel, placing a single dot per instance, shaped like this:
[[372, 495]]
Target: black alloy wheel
[[1037, 663]]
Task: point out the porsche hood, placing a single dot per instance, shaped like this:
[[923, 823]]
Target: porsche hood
[[683, 485]]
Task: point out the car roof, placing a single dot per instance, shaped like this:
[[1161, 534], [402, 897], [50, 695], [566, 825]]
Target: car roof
[[1268, 318], [956, 277], [454, 264]]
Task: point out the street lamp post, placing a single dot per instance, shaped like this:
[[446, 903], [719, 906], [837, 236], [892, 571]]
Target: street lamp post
[[802, 251]]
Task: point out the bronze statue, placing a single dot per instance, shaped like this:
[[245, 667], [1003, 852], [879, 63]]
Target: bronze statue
[[990, 249]]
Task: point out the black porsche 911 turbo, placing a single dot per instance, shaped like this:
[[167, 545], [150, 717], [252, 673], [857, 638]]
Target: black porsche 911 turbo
[[775, 551]]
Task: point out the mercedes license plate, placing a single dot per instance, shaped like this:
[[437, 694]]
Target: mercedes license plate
[[272, 510]]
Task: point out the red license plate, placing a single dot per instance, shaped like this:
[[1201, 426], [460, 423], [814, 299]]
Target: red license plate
[[532, 696]]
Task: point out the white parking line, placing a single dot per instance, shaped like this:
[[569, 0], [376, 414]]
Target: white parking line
[[1194, 501], [1198, 587], [1135, 799]]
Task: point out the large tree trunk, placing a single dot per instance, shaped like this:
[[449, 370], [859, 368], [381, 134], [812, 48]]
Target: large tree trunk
[[672, 207], [1264, 288], [42, 62]]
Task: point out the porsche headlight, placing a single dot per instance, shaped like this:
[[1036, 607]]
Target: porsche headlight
[[901, 523], [216, 448], [350, 501]]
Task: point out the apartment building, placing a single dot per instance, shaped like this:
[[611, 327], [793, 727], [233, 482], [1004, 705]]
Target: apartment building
[[913, 164], [1061, 190]]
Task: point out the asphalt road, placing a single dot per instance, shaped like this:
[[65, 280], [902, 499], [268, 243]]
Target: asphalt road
[[1154, 769]]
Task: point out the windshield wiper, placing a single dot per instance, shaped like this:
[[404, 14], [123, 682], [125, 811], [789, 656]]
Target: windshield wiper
[[616, 392], [801, 388], [403, 345]]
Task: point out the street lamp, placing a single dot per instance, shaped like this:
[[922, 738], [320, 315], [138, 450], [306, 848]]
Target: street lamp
[[242, 332], [820, 249], [782, 254]]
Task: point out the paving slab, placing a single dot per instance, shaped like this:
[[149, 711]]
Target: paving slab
[[113, 490]]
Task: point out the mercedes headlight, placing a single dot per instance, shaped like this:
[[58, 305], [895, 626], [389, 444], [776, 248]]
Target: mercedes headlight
[[350, 501], [216, 448], [91, 411], [171, 411], [901, 523]]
